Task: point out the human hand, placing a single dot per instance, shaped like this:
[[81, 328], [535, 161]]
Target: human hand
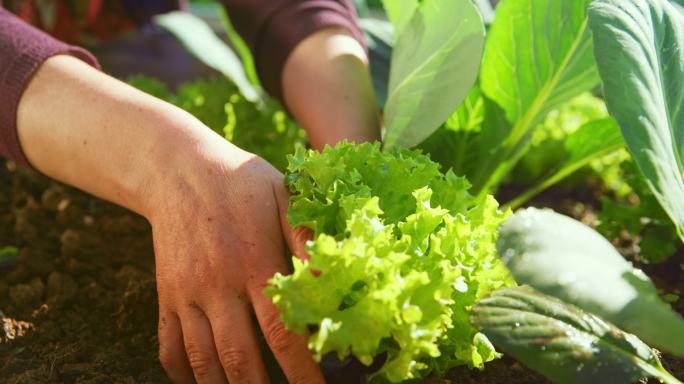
[[217, 215], [218, 227]]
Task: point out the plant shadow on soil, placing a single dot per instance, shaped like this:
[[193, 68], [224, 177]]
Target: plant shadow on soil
[[85, 283]]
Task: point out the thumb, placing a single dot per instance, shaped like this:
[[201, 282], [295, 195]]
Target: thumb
[[295, 238]]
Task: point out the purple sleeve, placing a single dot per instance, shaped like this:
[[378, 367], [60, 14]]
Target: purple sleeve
[[272, 28], [22, 50]]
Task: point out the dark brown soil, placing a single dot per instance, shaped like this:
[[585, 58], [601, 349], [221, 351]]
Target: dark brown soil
[[80, 306], [85, 281]]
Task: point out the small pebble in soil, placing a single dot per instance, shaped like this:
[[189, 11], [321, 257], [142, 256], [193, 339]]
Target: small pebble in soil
[[88, 220], [52, 197], [69, 215]]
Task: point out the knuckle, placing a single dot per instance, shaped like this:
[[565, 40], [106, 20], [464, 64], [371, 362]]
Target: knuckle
[[278, 337], [167, 358], [234, 361], [200, 361]]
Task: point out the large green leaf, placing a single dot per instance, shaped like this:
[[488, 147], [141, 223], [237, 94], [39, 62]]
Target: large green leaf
[[486, 10], [454, 145], [538, 55], [640, 53], [679, 4], [434, 64], [591, 141], [400, 12], [198, 38], [566, 259], [546, 149], [563, 342]]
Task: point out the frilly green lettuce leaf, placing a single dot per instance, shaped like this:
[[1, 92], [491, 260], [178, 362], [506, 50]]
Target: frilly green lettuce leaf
[[401, 253]]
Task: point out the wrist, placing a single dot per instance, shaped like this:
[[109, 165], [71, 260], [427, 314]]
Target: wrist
[[86, 129], [185, 159]]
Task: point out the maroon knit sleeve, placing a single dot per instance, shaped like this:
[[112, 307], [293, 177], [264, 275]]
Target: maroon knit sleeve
[[22, 50], [272, 28]]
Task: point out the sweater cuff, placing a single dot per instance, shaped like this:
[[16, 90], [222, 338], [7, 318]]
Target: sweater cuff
[[16, 79], [291, 24]]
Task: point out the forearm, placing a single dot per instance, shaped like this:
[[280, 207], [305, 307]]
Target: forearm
[[309, 54], [22, 50], [327, 87], [89, 130], [98, 134]]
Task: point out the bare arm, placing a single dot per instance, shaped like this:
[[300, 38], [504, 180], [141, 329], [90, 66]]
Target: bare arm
[[91, 131], [327, 87], [82, 127], [309, 54]]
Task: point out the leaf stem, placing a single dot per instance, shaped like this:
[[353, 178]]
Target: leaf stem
[[659, 373]]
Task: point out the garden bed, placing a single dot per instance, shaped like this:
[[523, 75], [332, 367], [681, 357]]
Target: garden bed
[[84, 289]]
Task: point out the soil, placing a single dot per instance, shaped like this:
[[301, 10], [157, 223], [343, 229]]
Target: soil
[[84, 282], [80, 305]]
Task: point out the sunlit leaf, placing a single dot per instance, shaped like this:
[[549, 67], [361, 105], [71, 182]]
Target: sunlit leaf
[[538, 56], [564, 258], [563, 342], [590, 142], [198, 38], [640, 53], [434, 64], [400, 12]]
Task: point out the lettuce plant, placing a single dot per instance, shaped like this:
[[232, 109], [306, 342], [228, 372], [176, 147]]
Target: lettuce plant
[[401, 252]]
